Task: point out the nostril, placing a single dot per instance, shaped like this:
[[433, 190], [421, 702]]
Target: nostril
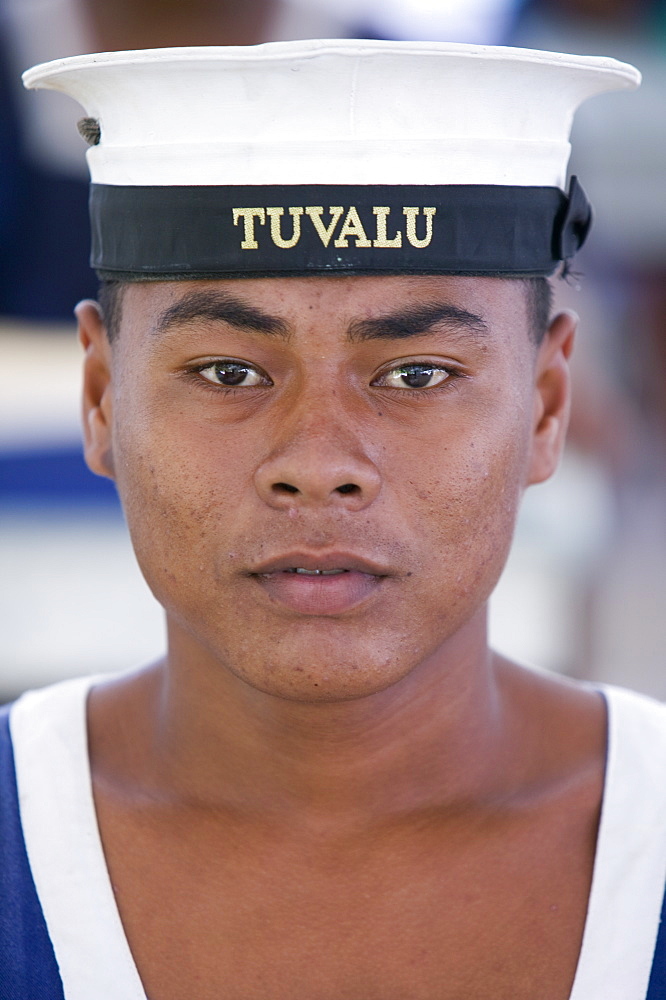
[[285, 488], [349, 488]]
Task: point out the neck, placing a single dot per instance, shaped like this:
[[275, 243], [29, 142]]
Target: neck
[[430, 741]]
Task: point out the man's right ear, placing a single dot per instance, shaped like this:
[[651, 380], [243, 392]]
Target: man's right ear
[[97, 395]]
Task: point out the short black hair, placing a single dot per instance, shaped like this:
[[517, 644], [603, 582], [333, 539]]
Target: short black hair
[[539, 306], [110, 298], [539, 293]]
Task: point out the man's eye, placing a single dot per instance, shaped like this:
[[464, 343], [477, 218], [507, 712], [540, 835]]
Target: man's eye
[[233, 374], [414, 377]]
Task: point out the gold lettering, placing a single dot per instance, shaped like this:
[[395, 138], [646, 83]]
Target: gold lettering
[[352, 226], [411, 214], [275, 215], [382, 238], [324, 232], [248, 215]]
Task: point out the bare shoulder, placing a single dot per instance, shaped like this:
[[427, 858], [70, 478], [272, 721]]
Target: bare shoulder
[[563, 723], [120, 712], [549, 693]]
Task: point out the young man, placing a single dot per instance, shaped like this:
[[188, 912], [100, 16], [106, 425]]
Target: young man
[[322, 377]]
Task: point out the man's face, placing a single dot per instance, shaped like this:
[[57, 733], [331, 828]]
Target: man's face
[[321, 475]]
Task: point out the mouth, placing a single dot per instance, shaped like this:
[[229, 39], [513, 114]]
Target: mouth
[[320, 585], [315, 572]]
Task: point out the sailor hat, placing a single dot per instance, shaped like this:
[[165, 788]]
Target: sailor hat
[[332, 156]]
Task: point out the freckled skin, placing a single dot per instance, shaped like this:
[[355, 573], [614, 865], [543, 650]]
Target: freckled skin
[[440, 474]]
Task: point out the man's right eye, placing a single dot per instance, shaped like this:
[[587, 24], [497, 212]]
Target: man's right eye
[[233, 374]]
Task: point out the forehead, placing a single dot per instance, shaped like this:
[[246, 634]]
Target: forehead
[[336, 301]]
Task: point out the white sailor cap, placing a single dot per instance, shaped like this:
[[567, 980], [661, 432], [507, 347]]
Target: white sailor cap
[[332, 156]]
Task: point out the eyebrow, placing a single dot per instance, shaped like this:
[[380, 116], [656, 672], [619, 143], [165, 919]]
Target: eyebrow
[[413, 322], [221, 308], [224, 308]]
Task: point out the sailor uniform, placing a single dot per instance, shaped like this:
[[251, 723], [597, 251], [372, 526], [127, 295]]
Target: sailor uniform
[[61, 935]]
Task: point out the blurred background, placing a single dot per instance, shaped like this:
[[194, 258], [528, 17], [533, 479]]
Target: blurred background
[[585, 589]]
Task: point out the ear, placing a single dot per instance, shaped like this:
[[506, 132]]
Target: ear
[[552, 397], [97, 395]]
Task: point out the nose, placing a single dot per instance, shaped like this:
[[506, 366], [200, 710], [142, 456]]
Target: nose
[[318, 466]]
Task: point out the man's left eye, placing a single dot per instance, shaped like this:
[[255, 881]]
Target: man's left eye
[[233, 374], [414, 377]]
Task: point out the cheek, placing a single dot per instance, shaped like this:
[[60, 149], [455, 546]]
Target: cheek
[[464, 497], [181, 489]]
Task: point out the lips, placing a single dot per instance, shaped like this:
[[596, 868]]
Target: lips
[[320, 584]]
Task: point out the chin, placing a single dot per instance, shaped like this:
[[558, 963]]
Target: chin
[[329, 679]]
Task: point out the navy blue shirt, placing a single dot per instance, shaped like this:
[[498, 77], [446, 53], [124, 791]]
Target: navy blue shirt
[[28, 967]]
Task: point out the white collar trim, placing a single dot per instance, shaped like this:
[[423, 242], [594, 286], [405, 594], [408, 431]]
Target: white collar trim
[[64, 847]]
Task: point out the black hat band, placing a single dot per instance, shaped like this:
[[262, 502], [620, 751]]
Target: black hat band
[[168, 233]]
